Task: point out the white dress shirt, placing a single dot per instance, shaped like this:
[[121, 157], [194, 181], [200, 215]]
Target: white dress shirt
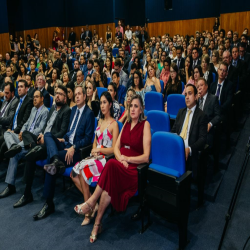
[[189, 124], [71, 137]]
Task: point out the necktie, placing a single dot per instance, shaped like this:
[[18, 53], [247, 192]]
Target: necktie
[[178, 65], [218, 90], [201, 103], [33, 123], [3, 110], [74, 125], [194, 63], [185, 126], [14, 121], [234, 63]]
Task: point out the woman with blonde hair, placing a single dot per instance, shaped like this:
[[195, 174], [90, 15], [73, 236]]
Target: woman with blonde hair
[[65, 68], [152, 83]]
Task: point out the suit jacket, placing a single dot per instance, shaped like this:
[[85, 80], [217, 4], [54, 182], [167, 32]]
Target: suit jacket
[[123, 78], [61, 122], [40, 121], [58, 64], [31, 92], [182, 63], [210, 78], [46, 98], [247, 60], [85, 127], [72, 38], [83, 68], [86, 73], [89, 35], [82, 36], [232, 76], [226, 96], [241, 72], [197, 134], [7, 119], [23, 114], [72, 75]]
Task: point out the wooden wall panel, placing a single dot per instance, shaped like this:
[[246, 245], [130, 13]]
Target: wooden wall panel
[[182, 27], [235, 21], [100, 29], [4, 43]]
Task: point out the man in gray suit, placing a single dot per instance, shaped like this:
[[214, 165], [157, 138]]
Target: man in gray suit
[[18, 146], [8, 108]]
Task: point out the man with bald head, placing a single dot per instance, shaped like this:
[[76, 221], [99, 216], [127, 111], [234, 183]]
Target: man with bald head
[[79, 79], [232, 73]]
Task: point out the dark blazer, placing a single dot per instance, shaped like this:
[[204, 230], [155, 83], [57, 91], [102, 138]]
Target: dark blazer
[[58, 64], [210, 78], [23, 114], [86, 73], [247, 60], [241, 72], [6, 120], [61, 123], [211, 108], [197, 134], [31, 92], [72, 38], [85, 127], [232, 76], [89, 35], [72, 75], [82, 36], [226, 96], [46, 98], [182, 63]]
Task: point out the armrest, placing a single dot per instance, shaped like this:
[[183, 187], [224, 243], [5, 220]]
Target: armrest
[[142, 179], [108, 157], [187, 174], [85, 152]]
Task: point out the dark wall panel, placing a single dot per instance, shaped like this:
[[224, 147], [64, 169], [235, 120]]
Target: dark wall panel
[[230, 6], [4, 27]]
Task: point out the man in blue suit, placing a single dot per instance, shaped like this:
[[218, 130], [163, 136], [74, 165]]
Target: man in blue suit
[[65, 152]]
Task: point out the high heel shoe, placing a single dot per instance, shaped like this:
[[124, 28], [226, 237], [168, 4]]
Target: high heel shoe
[[78, 208], [93, 237], [90, 217]]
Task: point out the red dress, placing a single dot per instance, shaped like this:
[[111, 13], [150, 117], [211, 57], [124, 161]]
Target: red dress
[[122, 183]]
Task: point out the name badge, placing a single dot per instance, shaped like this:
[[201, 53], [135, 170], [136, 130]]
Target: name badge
[[128, 147]]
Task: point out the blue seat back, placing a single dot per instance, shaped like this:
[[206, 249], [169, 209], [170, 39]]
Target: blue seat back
[[175, 102], [122, 109], [100, 90], [120, 125], [214, 77], [182, 85], [108, 80], [144, 81], [51, 101], [154, 101], [168, 154], [145, 112], [162, 86], [159, 121], [115, 52]]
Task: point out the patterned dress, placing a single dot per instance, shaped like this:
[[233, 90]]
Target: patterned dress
[[91, 167]]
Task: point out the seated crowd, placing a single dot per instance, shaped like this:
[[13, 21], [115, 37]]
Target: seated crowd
[[50, 101]]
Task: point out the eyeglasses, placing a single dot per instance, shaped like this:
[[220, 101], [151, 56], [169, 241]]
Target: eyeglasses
[[61, 94], [172, 71]]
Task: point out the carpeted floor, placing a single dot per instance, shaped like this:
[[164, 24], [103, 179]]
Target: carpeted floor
[[62, 230]]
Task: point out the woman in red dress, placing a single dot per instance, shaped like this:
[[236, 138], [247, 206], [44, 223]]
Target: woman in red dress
[[119, 181]]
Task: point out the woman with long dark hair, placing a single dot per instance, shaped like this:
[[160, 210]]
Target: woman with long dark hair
[[92, 99], [98, 76], [90, 169], [112, 89], [22, 72]]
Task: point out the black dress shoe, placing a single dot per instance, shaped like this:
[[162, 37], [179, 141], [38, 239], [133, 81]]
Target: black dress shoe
[[34, 153], [55, 167], [44, 212], [7, 192], [23, 201], [13, 151]]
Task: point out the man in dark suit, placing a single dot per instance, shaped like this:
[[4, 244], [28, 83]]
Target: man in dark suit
[[58, 62], [244, 56], [231, 73], [241, 68], [65, 152], [195, 57], [88, 35], [40, 80], [57, 123], [191, 125], [143, 36], [90, 69], [224, 90], [72, 37], [73, 73], [17, 146], [31, 89], [180, 61], [82, 36], [209, 104]]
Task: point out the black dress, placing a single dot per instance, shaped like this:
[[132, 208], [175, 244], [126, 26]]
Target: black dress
[[12, 46], [95, 106], [49, 74], [21, 52], [29, 45], [50, 89], [108, 36], [172, 89]]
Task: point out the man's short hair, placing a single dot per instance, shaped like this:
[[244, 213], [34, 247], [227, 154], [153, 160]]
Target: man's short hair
[[202, 79], [40, 74], [118, 62], [63, 88], [25, 82], [133, 66], [242, 45], [40, 93], [91, 61], [180, 48], [224, 64], [115, 73], [12, 87], [193, 86], [83, 89], [195, 49]]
